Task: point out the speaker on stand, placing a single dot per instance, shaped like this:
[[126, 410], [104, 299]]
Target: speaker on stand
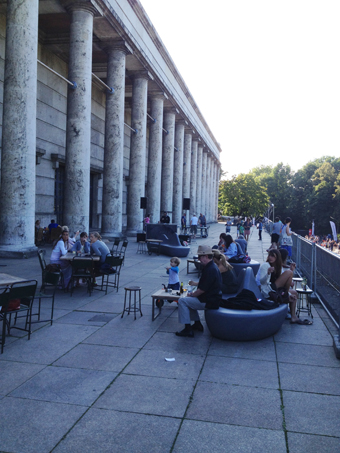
[[143, 202], [186, 204]]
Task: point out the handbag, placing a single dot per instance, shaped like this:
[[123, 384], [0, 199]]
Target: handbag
[[279, 296], [54, 267]]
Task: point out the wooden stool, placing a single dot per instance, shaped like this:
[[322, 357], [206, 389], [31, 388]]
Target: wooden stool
[[297, 280], [141, 247], [134, 309], [304, 296]]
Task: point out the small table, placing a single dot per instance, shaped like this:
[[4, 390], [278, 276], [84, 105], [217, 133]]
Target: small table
[[197, 269], [204, 230], [70, 256], [7, 279], [304, 296], [163, 295], [153, 245]]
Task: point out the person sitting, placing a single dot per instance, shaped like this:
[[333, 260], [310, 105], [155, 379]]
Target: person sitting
[[70, 241], [165, 218], [222, 245], [229, 279], [206, 296], [243, 243], [231, 248], [81, 245], [202, 220], [60, 249], [53, 224], [98, 247]]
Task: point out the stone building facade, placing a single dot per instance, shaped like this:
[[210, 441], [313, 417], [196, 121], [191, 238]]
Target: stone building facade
[[95, 116]]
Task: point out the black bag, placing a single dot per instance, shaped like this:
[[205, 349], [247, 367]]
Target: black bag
[[280, 296], [54, 267], [246, 300]]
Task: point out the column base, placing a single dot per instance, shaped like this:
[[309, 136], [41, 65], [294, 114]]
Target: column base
[[111, 235], [336, 345], [18, 252]]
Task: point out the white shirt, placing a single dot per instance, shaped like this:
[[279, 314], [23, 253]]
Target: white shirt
[[194, 220]]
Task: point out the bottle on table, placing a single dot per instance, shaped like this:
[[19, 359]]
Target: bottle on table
[[181, 288]]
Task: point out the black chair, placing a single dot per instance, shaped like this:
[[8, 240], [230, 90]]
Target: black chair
[[23, 292], [45, 274], [51, 284], [83, 268], [123, 250], [113, 264], [115, 246]]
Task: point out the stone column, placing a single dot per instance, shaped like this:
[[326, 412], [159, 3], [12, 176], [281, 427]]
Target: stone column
[[208, 189], [137, 153], [178, 174], [213, 192], [193, 179], [114, 140], [17, 197], [155, 158], [187, 164], [78, 126], [168, 161], [199, 207], [204, 183]]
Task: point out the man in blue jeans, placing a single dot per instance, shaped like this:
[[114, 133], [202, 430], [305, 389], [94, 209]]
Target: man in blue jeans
[[207, 295], [260, 225]]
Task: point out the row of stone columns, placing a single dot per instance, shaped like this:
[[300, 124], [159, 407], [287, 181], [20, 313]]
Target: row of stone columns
[[177, 165]]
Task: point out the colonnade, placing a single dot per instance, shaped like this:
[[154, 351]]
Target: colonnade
[[179, 164]]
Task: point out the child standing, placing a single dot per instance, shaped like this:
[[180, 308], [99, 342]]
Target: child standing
[[173, 272]]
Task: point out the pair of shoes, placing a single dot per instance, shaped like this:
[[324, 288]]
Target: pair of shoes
[[185, 333], [302, 322], [199, 327]]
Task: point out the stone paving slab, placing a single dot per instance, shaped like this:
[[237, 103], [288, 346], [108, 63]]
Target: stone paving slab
[[316, 379], [236, 405], [196, 436], [261, 350], [35, 426], [306, 354], [303, 335], [97, 357], [153, 363], [111, 431], [250, 373], [167, 341], [148, 395], [21, 371], [65, 385], [127, 338], [87, 319], [302, 443], [312, 414], [47, 344]]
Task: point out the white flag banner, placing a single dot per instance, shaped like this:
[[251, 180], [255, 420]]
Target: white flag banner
[[313, 228], [333, 230]]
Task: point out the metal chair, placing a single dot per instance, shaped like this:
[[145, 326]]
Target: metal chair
[[115, 246], [24, 293], [44, 271], [83, 268], [111, 268], [51, 280], [123, 250]]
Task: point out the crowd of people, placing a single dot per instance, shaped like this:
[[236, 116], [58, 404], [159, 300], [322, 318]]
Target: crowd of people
[[218, 276]]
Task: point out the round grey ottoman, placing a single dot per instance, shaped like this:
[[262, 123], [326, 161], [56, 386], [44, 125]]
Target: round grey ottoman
[[241, 325]]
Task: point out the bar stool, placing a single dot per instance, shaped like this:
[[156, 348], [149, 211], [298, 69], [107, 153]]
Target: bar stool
[[134, 309], [304, 295], [141, 247]]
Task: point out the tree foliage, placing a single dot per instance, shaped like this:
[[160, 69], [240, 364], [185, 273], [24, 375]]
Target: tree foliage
[[312, 193]]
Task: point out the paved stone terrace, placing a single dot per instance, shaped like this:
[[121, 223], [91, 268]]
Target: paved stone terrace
[[96, 382]]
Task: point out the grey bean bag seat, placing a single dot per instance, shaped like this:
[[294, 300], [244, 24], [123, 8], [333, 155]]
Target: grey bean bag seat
[[255, 265], [171, 245], [242, 325]]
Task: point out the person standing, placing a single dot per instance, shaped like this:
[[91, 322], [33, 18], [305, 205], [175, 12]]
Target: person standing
[[286, 237], [183, 222], [165, 218], [206, 296], [260, 226], [228, 225], [193, 225], [202, 220]]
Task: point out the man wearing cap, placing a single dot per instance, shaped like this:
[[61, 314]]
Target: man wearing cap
[[207, 294]]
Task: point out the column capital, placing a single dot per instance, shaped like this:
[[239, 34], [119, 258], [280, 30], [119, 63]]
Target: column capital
[[110, 45], [91, 6], [158, 95], [145, 74]]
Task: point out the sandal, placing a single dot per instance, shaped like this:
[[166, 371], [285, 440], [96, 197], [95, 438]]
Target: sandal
[[304, 322]]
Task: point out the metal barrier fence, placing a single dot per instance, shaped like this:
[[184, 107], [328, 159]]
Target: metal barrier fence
[[322, 270]]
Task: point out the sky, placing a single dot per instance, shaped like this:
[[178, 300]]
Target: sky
[[265, 74]]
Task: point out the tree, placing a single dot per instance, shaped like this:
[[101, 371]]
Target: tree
[[243, 196]]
